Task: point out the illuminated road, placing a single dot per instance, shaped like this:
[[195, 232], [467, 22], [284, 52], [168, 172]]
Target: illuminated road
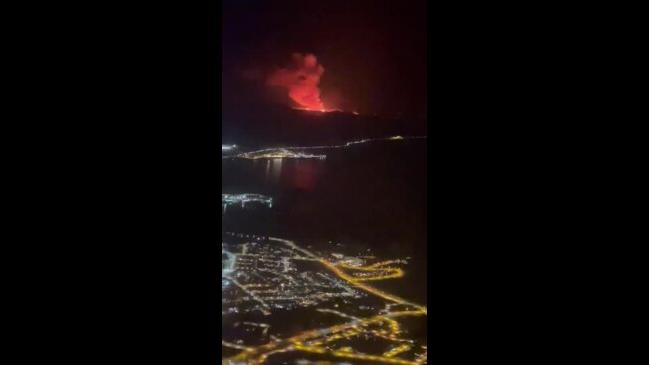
[[351, 280], [259, 354]]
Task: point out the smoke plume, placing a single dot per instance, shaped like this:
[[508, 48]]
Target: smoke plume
[[301, 81]]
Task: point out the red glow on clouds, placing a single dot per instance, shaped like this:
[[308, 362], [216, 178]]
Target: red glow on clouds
[[301, 81]]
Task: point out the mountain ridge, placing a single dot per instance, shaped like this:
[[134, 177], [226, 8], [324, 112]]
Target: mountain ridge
[[274, 125]]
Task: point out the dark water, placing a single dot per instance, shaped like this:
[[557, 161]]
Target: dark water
[[369, 196]]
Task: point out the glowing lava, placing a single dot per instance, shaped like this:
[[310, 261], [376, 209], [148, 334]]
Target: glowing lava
[[321, 110], [324, 110]]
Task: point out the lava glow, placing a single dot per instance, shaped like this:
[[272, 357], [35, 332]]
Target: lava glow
[[301, 81], [322, 110]]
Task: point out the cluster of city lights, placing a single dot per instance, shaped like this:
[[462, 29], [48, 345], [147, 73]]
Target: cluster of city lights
[[243, 199], [262, 274], [294, 151], [280, 153]]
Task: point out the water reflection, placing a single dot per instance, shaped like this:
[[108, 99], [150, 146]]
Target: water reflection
[[305, 174], [297, 174], [275, 170]]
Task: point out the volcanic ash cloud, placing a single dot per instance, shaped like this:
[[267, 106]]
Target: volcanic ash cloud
[[301, 80]]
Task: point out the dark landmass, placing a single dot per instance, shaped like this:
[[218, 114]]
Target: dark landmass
[[273, 125]]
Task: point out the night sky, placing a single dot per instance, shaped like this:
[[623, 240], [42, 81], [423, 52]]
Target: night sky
[[373, 52]]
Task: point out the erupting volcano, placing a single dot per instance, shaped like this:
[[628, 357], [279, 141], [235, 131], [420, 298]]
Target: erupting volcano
[[301, 80]]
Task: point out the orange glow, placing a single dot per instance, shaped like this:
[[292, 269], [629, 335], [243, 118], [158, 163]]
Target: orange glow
[[301, 80], [321, 110]]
